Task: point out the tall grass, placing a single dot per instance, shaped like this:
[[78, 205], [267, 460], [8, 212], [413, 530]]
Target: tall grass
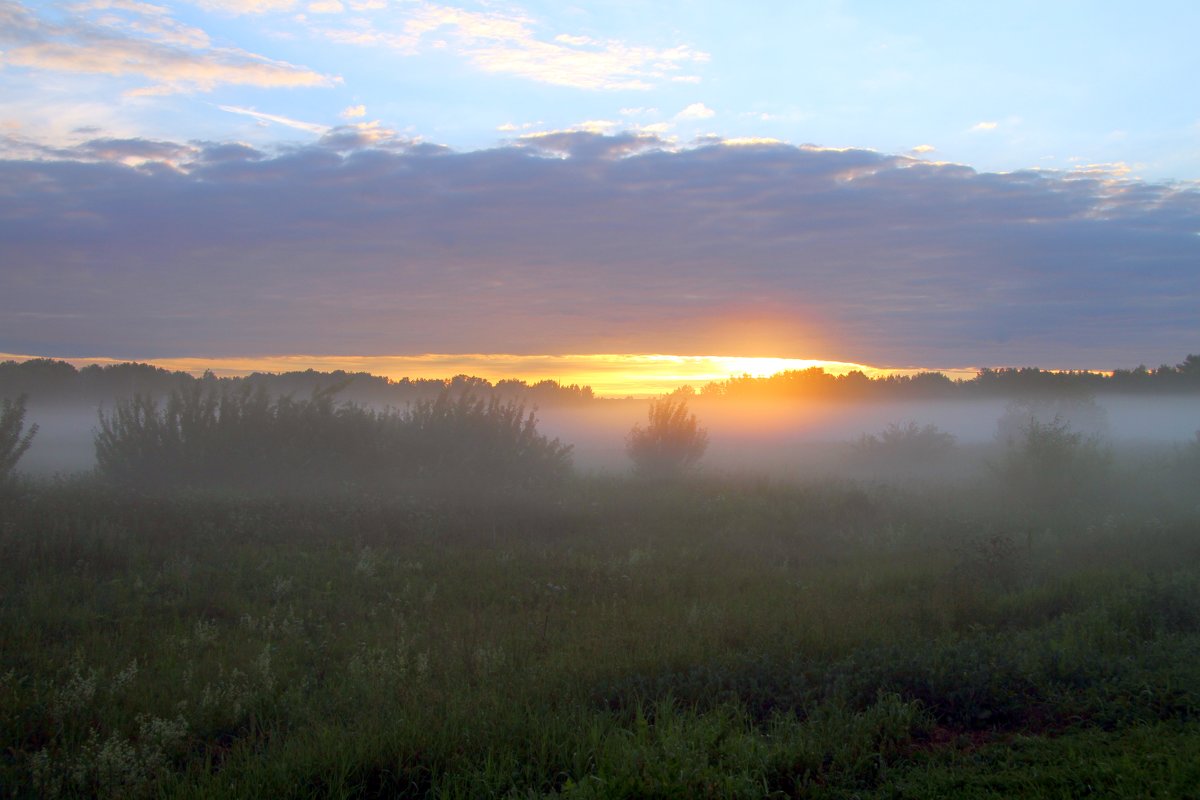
[[594, 637]]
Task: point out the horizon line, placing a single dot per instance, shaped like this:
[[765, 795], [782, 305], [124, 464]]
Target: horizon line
[[607, 374]]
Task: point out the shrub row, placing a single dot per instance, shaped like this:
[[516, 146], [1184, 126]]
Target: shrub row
[[204, 437]]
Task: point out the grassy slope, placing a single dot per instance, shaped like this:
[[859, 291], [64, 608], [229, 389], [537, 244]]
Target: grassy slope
[[725, 638]]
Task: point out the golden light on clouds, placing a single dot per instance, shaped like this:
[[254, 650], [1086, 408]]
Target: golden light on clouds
[[609, 375]]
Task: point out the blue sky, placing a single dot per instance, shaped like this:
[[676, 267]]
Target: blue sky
[[998, 86], [924, 184]]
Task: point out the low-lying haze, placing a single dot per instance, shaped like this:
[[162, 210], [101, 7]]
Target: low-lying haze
[[779, 438]]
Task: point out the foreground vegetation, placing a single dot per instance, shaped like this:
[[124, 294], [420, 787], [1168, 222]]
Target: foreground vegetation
[[602, 637]]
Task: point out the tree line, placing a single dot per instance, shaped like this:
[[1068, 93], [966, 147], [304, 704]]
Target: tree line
[[49, 381], [1007, 382]]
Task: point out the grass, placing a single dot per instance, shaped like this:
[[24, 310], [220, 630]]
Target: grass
[[722, 637], [1158, 760]]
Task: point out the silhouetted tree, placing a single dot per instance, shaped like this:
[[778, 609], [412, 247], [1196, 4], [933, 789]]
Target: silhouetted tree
[[13, 440], [670, 444]]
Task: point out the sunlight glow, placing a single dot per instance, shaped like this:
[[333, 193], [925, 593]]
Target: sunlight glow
[[609, 375]]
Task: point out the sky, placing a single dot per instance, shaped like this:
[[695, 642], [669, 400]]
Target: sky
[[929, 184]]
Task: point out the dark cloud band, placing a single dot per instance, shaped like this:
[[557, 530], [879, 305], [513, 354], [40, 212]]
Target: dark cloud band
[[585, 243]]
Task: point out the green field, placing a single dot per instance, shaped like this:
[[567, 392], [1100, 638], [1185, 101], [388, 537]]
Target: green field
[[610, 637]]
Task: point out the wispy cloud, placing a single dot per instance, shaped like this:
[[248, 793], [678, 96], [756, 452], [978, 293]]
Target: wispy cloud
[[980, 127], [354, 112], [300, 125], [132, 39], [509, 43], [246, 6]]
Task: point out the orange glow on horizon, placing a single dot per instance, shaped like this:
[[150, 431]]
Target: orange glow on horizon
[[609, 375]]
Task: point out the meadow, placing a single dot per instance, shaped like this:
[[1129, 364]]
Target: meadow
[[1031, 631]]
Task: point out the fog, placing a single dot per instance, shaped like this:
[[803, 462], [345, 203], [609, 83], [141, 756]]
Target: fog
[[64, 440], [783, 438], [817, 439]]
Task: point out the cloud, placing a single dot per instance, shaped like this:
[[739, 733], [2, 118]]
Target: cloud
[[119, 38], [152, 21], [508, 43], [326, 7], [571, 242], [130, 151], [591, 126], [510, 127], [696, 111], [221, 153], [311, 127], [584, 144], [1115, 169], [922, 149], [246, 6], [133, 151], [30, 119], [362, 135], [596, 126], [750, 141], [980, 127], [354, 112]]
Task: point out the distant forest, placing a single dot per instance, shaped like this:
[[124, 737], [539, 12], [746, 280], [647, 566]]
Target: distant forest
[[48, 381]]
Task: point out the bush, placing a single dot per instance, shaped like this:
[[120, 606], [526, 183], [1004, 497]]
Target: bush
[[1081, 414], [206, 437], [670, 444], [1049, 466], [907, 442], [470, 441], [13, 442]]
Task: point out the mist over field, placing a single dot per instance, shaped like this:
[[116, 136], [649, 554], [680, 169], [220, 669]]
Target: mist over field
[[779, 438]]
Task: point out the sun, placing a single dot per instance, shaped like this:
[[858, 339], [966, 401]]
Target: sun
[[761, 367]]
